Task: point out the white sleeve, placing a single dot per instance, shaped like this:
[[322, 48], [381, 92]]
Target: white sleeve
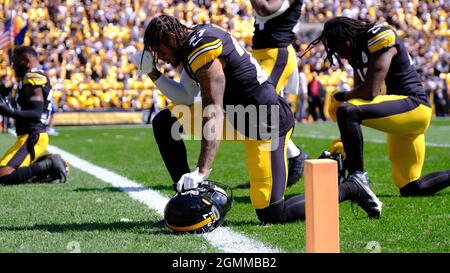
[[293, 83], [284, 6], [182, 92], [192, 87], [303, 83]]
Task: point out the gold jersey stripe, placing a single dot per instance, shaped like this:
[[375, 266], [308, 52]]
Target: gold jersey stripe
[[203, 46], [385, 41], [34, 79], [379, 35], [204, 58]]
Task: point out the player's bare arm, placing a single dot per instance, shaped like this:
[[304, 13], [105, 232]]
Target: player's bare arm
[[376, 73], [36, 98], [34, 93], [212, 85], [267, 7]]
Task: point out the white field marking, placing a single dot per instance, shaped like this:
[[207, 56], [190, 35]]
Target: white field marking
[[374, 140], [222, 238], [102, 127]]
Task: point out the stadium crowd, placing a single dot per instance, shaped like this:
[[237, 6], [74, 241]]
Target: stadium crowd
[[84, 46]]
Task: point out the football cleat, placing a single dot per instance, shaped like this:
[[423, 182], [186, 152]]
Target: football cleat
[[57, 172], [198, 210], [365, 197], [296, 166], [60, 169]]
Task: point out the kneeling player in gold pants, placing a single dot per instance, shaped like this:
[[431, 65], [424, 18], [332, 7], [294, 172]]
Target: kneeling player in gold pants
[[377, 54]]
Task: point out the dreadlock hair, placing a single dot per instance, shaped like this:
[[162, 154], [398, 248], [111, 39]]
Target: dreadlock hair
[[158, 30], [336, 32]]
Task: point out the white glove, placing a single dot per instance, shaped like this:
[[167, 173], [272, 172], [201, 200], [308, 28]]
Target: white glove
[[147, 64], [191, 180]]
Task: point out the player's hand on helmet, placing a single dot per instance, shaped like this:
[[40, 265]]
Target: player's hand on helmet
[[5, 109], [144, 62], [191, 180]]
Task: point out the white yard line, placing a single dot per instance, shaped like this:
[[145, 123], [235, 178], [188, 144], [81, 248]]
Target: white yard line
[[373, 140], [222, 238], [102, 127]]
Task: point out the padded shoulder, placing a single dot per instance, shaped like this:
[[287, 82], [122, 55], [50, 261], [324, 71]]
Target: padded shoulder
[[35, 79], [202, 48], [380, 37]]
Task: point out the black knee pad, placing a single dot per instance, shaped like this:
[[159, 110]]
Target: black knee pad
[[20, 175], [4, 179], [274, 213], [163, 119], [347, 111], [412, 189], [162, 123]]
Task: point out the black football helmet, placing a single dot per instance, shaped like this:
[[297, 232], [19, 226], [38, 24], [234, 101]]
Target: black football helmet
[[198, 210]]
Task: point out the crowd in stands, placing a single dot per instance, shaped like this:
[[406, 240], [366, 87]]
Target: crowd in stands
[[85, 46]]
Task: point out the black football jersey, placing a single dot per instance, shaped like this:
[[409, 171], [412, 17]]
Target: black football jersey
[[278, 31], [402, 77], [34, 78], [246, 82]]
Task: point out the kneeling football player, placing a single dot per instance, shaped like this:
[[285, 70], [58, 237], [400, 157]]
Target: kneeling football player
[[23, 163]]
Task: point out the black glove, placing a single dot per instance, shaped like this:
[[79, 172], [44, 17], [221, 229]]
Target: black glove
[[340, 162], [6, 109], [339, 96]]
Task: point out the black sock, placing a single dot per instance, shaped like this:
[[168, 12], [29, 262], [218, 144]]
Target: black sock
[[19, 176], [283, 211], [349, 119], [295, 208], [427, 185], [25, 174], [172, 151]]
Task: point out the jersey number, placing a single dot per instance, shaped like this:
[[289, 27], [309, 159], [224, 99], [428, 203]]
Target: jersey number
[[260, 74], [197, 37]]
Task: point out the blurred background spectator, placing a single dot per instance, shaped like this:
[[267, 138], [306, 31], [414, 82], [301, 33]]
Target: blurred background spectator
[[84, 45], [316, 98]]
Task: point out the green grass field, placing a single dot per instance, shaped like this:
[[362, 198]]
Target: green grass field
[[88, 215]]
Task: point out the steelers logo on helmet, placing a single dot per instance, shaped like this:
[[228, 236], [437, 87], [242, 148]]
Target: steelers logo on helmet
[[199, 210]]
